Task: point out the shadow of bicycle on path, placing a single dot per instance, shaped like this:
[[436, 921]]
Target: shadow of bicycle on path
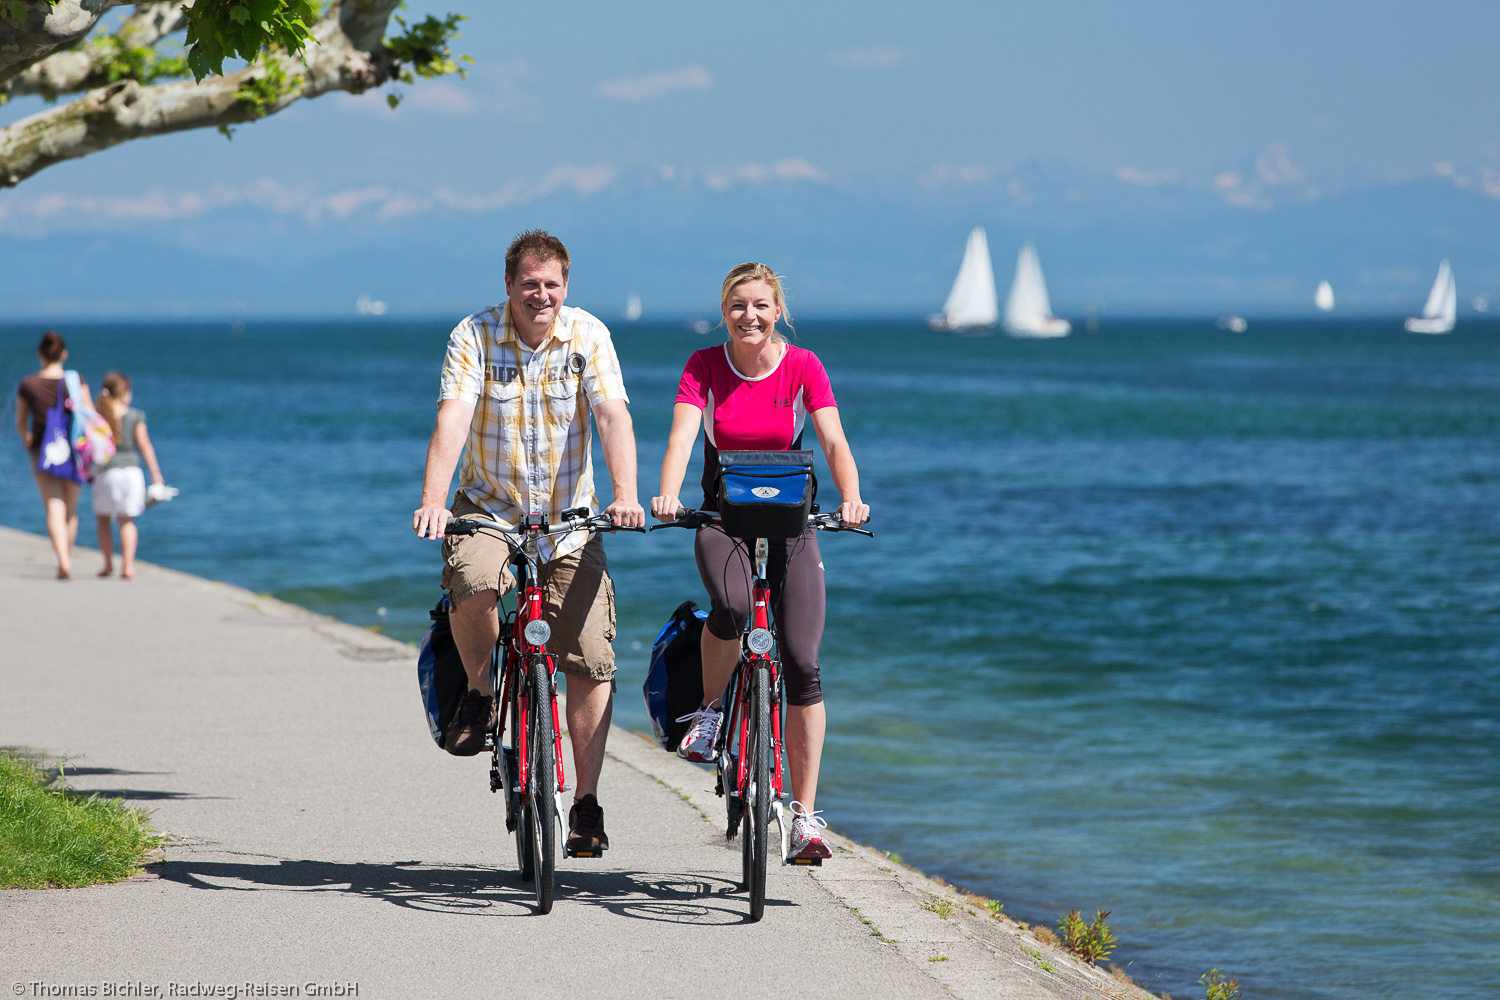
[[475, 890]]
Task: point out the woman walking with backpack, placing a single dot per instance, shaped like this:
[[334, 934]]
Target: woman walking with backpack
[[38, 395], [120, 486]]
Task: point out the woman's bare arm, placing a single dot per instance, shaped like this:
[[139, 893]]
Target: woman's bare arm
[[143, 445], [830, 430], [685, 420]]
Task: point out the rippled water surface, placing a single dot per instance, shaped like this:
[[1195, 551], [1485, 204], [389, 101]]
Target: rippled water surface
[[1199, 628]]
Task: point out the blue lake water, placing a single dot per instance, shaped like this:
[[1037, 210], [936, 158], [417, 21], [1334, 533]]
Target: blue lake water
[[1199, 628]]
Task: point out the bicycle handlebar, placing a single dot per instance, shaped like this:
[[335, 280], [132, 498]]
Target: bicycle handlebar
[[598, 522], [698, 518]]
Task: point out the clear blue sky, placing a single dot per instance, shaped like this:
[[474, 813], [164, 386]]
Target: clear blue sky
[[1246, 105]]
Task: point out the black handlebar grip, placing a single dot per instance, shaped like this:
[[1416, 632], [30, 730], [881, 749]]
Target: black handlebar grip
[[460, 527]]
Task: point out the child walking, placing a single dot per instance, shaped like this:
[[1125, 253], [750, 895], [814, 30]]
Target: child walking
[[120, 486]]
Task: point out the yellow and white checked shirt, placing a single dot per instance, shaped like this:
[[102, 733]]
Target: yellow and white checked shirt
[[528, 447]]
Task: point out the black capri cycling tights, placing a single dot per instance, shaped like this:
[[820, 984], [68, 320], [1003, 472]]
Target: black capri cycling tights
[[795, 569]]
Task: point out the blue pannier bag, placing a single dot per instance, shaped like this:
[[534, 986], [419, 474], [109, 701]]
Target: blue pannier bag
[[765, 494], [674, 683], [440, 672]]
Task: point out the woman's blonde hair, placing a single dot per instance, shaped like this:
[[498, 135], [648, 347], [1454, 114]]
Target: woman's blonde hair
[[113, 388], [751, 271]]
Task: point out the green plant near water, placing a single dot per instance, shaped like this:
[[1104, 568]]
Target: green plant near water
[[1090, 942], [1217, 986], [936, 904], [51, 836]]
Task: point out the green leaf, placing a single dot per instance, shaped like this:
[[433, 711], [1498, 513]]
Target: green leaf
[[248, 29]]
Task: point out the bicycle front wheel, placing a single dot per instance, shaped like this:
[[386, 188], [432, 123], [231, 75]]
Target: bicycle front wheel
[[541, 783], [758, 792], [517, 812]]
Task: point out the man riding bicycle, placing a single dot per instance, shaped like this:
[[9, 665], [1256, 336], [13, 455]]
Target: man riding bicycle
[[519, 382]]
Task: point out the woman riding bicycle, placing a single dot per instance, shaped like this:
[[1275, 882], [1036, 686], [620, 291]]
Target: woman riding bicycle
[[754, 393]]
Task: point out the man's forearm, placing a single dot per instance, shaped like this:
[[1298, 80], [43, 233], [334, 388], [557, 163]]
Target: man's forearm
[[442, 459], [443, 449], [617, 435]]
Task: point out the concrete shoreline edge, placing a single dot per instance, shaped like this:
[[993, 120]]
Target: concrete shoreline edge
[[937, 931]]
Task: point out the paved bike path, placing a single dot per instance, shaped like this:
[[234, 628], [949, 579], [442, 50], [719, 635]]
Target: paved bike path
[[321, 840]]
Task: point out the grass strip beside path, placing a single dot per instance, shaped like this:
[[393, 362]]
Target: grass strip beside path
[[52, 837]]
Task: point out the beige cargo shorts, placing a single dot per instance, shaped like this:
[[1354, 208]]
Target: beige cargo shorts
[[579, 593]]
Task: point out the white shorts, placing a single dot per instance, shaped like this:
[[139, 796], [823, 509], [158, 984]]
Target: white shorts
[[120, 492]]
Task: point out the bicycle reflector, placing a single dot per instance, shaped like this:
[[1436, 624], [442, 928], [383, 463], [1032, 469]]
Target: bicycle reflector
[[760, 640], [537, 632]]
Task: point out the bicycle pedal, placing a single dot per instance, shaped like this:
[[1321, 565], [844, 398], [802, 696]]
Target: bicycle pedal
[[806, 862], [569, 853]]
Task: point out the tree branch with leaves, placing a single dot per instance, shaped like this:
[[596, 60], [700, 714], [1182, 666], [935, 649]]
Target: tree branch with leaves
[[133, 82]]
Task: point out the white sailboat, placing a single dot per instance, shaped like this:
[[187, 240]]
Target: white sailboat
[[971, 304], [1028, 310], [1442, 305], [633, 307], [1323, 297]]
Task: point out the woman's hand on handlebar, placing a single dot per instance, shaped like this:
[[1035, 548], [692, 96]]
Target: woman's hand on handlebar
[[665, 508], [854, 513], [429, 520]]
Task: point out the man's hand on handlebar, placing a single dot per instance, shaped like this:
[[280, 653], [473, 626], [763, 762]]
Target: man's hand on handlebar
[[429, 520], [626, 514]]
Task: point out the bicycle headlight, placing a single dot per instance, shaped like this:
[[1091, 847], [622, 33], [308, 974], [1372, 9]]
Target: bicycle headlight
[[760, 640], [537, 632]]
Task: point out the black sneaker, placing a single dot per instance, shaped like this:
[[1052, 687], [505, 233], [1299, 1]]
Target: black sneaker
[[464, 736], [586, 836]]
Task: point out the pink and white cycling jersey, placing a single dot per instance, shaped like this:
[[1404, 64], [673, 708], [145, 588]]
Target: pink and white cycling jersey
[[751, 414]]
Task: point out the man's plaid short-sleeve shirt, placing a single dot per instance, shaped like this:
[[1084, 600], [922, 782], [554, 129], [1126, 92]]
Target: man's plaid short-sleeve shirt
[[528, 446]]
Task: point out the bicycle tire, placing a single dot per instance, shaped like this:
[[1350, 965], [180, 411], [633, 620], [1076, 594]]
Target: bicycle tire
[[515, 800], [541, 785], [758, 808], [728, 765]]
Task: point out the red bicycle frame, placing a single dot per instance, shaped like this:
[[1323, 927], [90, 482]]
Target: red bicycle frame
[[530, 607], [760, 617]]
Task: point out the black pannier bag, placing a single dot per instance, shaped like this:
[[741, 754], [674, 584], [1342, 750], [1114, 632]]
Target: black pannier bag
[[441, 677], [674, 681], [765, 494]]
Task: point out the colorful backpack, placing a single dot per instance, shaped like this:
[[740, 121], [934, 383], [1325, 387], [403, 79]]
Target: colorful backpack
[[93, 442]]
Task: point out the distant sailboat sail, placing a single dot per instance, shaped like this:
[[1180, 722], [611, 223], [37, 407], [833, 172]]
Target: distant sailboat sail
[[1441, 310], [1028, 310], [633, 307], [971, 304], [1323, 298]]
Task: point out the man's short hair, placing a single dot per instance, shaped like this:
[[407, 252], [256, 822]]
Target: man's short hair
[[539, 245]]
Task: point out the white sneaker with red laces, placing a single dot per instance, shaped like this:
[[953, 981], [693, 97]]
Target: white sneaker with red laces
[[807, 841], [698, 742]]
